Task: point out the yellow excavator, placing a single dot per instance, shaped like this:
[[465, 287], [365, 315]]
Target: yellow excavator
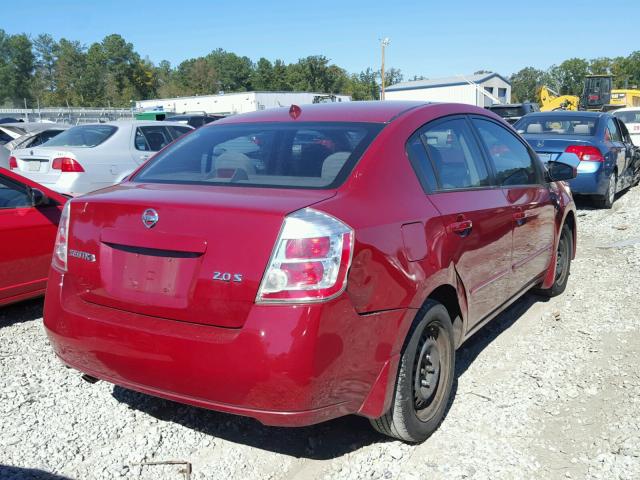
[[551, 100], [598, 95]]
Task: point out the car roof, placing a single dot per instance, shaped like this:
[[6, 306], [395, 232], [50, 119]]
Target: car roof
[[371, 111], [626, 109]]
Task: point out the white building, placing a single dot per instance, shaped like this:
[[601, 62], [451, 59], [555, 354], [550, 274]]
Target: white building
[[459, 89], [231, 103]]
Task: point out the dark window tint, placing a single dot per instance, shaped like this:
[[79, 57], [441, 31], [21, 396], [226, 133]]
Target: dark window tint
[[513, 163], [43, 137], [304, 155], [421, 164], [454, 155], [612, 133], [13, 195], [152, 138], [83, 136], [177, 132]]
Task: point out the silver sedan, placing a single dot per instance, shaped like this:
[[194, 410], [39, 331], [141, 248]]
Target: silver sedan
[[88, 157]]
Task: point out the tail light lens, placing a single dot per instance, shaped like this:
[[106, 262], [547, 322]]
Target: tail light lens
[[13, 163], [59, 260], [310, 260], [586, 153], [66, 164]]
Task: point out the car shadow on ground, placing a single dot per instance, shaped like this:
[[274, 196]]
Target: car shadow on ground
[[320, 442], [21, 312], [10, 472]]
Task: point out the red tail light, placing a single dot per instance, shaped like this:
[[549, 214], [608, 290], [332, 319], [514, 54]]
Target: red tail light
[[66, 164], [59, 260], [586, 153], [310, 260], [13, 163]]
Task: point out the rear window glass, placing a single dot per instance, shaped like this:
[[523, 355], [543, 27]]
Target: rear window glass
[[82, 136], [298, 155], [628, 117], [557, 125], [508, 112]]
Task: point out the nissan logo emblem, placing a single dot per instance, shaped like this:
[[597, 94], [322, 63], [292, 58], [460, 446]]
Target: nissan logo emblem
[[149, 217]]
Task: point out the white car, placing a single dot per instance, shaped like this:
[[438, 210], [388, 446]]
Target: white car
[[23, 135], [88, 157], [631, 118]]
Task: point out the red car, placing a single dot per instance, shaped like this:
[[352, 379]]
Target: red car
[[29, 215], [296, 281]]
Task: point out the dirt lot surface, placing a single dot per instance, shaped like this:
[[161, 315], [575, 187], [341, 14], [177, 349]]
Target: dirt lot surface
[[548, 390]]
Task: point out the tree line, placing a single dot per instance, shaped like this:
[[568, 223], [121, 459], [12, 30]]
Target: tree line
[[568, 77], [45, 72]]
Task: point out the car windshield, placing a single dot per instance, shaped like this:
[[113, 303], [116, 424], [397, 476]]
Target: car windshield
[[556, 125], [296, 155], [629, 116], [82, 136], [507, 112]]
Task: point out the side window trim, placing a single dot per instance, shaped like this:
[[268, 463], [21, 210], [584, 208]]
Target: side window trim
[[435, 123], [537, 163]]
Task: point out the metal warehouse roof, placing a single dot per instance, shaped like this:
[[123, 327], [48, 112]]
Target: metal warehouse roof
[[444, 82]]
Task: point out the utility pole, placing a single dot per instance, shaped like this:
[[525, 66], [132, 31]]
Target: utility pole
[[383, 44]]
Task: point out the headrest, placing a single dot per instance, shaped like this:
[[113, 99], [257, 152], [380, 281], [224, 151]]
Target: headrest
[[333, 164], [534, 128], [582, 129]]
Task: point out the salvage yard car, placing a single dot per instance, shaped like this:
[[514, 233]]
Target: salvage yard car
[[95, 155], [29, 215], [608, 160], [339, 278]]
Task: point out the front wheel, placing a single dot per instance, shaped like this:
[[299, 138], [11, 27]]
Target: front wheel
[[425, 378]]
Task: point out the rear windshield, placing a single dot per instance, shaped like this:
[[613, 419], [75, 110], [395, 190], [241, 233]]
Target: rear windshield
[[82, 136], [507, 112], [296, 155], [556, 125], [628, 117]]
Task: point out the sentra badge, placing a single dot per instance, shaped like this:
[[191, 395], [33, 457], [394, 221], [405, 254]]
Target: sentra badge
[[89, 257]]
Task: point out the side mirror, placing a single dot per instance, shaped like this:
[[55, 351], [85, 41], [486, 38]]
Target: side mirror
[[38, 198], [565, 167]]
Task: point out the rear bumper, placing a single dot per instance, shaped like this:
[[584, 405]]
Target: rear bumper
[[288, 366], [591, 180]]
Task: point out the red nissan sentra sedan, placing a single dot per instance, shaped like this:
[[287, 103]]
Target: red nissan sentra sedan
[[29, 215], [296, 265]]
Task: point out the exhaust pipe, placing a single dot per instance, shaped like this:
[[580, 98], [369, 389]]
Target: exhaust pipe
[[89, 378]]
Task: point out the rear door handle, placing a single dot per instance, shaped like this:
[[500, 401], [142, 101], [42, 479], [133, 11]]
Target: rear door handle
[[462, 228]]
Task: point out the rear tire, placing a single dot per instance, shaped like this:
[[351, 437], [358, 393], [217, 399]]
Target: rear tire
[[425, 378], [563, 264], [607, 200]]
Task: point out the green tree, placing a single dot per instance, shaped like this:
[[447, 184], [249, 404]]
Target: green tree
[[525, 84], [569, 75], [263, 75]]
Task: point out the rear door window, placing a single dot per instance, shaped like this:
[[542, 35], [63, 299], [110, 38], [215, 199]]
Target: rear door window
[[301, 155], [177, 132], [455, 159], [613, 133], [152, 138], [513, 162]]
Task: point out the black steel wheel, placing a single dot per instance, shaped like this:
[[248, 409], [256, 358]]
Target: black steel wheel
[[425, 378]]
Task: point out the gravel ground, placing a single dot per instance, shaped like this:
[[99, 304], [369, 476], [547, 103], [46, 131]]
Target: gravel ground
[[547, 390]]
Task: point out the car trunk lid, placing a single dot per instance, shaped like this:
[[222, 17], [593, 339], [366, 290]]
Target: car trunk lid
[[203, 259], [36, 163], [549, 149]]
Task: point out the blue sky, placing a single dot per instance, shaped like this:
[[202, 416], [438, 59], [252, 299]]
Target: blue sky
[[427, 37]]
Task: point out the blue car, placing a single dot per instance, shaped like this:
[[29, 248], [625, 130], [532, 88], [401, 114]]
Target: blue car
[[608, 159]]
